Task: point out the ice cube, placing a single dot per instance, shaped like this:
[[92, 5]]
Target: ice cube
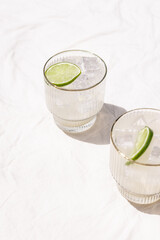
[[91, 63], [80, 83], [125, 140], [139, 123], [154, 157], [156, 151], [154, 125], [94, 76], [78, 60]]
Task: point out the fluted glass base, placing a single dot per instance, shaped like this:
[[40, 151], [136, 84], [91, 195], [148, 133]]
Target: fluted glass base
[[138, 198], [75, 126]]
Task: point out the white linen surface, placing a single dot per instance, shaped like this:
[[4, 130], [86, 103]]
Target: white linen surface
[[56, 186]]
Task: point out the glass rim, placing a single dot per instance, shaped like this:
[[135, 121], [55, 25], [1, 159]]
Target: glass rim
[[81, 89], [117, 149]]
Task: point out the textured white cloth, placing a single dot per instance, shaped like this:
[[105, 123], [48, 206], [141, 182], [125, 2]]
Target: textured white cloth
[[55, 186]]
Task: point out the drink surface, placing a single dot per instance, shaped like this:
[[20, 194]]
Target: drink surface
[[125, 138], [92, 71]]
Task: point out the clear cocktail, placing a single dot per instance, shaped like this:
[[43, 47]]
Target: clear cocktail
[[74, 106], [138, 180]]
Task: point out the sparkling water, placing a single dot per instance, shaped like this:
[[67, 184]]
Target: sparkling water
[[139, 181], [76, 105]]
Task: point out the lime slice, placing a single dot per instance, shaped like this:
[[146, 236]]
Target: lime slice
[[143, 140], [63, 73]]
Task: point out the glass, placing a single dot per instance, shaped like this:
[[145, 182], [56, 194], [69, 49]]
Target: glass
[[138, 182], [75, 106]]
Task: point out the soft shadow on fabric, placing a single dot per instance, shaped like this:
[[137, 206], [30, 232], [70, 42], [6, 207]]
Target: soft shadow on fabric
[[100, 132], [153, 208]]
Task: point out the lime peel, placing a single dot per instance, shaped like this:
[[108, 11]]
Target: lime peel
[[143, 140]]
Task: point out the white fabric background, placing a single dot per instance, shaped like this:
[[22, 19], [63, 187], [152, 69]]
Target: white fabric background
[[55, 186]]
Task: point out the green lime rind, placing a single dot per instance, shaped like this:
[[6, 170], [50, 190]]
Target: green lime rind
[[62, 73], [143, 140], [129, 163]]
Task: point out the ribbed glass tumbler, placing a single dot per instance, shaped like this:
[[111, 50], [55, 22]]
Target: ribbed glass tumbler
[[75, 106], [139, 181]]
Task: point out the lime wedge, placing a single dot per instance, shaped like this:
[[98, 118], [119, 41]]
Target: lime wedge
[[63, 73], [143, 140]]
